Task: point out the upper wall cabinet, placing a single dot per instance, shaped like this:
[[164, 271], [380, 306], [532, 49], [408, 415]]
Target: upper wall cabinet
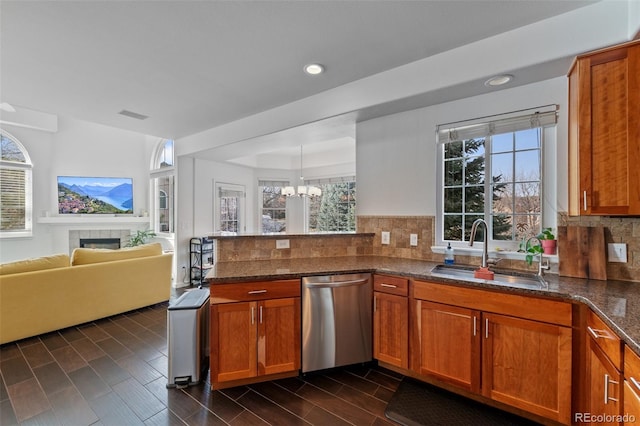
[[604, 132]]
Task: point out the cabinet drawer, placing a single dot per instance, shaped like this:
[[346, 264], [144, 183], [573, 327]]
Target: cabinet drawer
[[605, 338], [391, 285], [632, 368], [255, 290]]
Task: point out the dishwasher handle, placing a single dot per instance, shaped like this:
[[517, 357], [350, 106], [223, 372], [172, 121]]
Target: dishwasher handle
[[336, 284]]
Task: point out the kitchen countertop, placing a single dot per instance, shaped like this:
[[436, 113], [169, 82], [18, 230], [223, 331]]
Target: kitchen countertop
[[616, 302]]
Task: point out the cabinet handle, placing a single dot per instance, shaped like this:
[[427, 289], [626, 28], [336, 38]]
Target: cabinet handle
[[257, 291], [253, 319], [584, 200], [260, 314], [475, 326], [388, 285], [486, 328], [635, 382], [607, 380], [597, 334]]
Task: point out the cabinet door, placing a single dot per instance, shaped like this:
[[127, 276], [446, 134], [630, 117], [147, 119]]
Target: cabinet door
[[390, 331], [631, 385], [527, 364], [603, 133], [603, 384], [233, 341], [278, 335], [449, 343]]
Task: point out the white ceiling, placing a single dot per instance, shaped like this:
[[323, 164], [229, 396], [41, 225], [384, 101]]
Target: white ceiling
[[195, 65]]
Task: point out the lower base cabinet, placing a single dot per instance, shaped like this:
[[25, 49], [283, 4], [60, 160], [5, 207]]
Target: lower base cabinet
[[631, 386], [254, 340], [527, 364], [510, 348]]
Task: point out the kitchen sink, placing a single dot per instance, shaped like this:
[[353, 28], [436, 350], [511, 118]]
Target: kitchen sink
[[501, 277]]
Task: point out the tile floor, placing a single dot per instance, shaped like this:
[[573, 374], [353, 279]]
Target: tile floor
[[114, 372]]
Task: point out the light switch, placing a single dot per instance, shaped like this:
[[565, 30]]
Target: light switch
[[282, 244], [413, 240], [386, 237], [617, 252]]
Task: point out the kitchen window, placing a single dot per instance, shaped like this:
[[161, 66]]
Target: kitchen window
[[492, 169], [15, 188]]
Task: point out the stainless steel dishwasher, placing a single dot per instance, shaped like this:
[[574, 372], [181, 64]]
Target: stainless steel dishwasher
[[336, 321]]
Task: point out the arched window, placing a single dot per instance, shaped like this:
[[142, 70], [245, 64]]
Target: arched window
[[162, 187], [15, 188]]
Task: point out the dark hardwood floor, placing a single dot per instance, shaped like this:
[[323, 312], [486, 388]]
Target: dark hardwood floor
[[114, 372]]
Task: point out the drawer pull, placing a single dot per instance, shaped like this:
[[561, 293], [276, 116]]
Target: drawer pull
[[388, 285], [608, 381], [257, 291], [597, 334], [635, 383]]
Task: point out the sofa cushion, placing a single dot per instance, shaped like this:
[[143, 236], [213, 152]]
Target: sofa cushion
[[86, 256], [36, 264]]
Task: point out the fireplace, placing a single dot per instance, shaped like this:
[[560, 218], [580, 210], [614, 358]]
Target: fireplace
[[100, 243], [122, 236]]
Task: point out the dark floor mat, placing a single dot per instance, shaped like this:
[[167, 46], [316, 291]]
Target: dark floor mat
[[416, 403]]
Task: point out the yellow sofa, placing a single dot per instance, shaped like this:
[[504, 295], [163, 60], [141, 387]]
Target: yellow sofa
[[54, 292]]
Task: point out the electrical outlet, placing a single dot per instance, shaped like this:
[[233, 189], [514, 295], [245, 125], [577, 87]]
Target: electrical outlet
[[386, 237], [282, 244], [413, 240], [617, 252]]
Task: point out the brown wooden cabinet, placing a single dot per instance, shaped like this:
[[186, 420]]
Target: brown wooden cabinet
[[527, 364], [390, 320], [604, 132], [255, 332], [631, 386], [510, 348], [603, 377], [449, 344]]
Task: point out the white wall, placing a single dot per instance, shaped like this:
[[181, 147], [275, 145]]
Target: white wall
[[78, 148], [396, 155]]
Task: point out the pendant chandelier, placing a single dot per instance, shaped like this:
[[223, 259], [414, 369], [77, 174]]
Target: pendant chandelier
[[303, 190]]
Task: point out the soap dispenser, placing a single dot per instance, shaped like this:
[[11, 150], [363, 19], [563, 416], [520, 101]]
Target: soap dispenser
[[448, 255]]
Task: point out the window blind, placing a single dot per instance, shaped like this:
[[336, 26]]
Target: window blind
[[325, 181], [498, 124], [273, 183]]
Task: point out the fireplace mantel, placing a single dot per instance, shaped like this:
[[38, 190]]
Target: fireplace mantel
[[93, 220]]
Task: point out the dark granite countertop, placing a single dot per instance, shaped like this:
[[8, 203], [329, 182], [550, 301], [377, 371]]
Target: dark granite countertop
[[616, 302]]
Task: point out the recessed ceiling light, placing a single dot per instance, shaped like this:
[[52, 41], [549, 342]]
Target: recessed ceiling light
[[498, 80], [314, 69]]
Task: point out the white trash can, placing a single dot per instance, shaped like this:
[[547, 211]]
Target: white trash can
[[188, 338]]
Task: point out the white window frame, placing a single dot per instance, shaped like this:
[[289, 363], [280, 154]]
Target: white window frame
[[275, 183], [27, 167], [158, 172], [473, 129], [219, 188]]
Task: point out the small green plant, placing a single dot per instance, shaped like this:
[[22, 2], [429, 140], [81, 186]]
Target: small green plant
[[140, 237], [533, 250], [546, 234]]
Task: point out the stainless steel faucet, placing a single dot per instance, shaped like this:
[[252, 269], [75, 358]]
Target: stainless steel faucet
[[541, 266], [485, 239]]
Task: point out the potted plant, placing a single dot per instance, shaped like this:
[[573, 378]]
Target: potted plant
[[140, 237], [547, 241], [533, 250]]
